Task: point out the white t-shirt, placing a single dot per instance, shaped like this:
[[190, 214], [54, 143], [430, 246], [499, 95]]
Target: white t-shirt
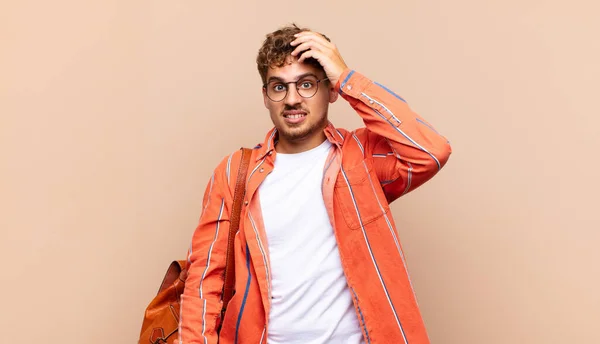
[[311, 302]]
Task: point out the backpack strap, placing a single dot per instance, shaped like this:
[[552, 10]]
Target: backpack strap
[[234, 223]]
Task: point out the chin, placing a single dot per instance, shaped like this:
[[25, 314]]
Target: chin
[[301, 131], [295, 134]]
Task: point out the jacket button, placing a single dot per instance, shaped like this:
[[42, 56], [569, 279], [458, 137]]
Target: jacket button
[[261, 170], [246, 203]]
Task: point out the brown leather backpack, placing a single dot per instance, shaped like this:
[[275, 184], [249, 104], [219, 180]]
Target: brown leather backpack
[[161, 320]]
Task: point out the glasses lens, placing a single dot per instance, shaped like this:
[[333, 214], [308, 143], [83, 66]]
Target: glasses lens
[[276, 91], [307, 87]]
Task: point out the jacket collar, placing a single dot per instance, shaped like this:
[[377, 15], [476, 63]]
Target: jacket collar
[[266, 148]]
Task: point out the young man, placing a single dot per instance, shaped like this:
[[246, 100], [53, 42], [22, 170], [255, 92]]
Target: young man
[[317, 257]]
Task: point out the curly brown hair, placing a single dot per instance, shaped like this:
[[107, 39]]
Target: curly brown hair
[[276, 48]]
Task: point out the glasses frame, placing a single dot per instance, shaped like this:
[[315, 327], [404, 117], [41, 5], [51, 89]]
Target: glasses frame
[[287, 89]]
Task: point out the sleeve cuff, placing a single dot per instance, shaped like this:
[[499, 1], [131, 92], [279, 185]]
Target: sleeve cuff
[[352, 83], [342, 79]]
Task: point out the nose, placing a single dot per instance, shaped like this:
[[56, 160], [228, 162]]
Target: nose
[[292, 97]]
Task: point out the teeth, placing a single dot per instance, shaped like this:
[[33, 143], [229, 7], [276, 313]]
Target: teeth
[[294, 116]]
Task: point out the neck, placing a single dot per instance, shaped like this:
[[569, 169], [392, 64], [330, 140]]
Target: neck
[[301, 145]]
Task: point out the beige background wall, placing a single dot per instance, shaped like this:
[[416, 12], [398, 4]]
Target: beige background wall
[[114, 113]]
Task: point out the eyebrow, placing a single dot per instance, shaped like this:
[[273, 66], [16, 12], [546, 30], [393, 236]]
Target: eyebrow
[[300, 77]]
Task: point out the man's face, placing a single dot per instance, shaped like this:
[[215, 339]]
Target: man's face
[[295, 117]]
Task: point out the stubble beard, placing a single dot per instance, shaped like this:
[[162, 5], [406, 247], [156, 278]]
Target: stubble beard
[[302, 131]]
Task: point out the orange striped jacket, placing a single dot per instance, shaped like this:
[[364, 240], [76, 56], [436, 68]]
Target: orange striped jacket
[[366, 170]]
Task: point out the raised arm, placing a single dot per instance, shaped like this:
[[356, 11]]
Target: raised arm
[[406, 151]]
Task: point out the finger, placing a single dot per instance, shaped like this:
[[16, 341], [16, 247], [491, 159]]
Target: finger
[[309, 45], [309, 33], [311, 36], [311, 53]]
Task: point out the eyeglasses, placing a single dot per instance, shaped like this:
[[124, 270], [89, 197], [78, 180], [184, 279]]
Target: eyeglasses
[[306, 87]]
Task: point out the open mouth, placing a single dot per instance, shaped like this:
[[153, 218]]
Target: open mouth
[[294, 116]]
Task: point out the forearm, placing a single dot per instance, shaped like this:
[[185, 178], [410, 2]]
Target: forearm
[[410, 151], [388, 115]]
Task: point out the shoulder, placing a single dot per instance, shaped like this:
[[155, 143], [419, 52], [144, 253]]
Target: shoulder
[[345, 134], [227, 169], [361, 139], [349, 136]]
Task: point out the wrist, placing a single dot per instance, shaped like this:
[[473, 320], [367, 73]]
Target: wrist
[[341, 79]]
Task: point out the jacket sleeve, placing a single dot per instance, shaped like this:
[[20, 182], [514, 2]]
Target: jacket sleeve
[[201, 299], [405, 150]]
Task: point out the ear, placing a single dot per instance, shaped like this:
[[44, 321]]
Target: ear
[[333, 94]]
